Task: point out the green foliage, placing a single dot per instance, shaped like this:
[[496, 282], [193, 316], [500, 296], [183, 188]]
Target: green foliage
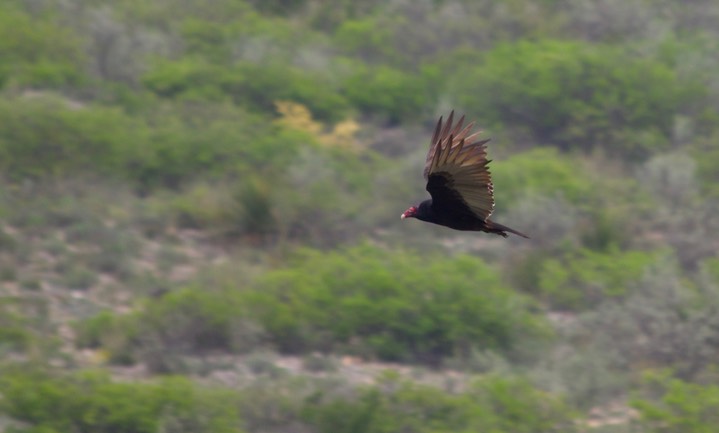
[[707, 158], [710, 267], [679, 407], [390, 93], [14, 332], [114, 334], [204, 206], [488, 404], [265, 205], [365, 39], [587, 278], [161, 14], [79, 278], [392, 305], [261, 86], [207, 39], [671, 178], [7, 242], [172, 150], [44, 136], [91, 401], [189, 78], [141, 142], [363, 300], [38, 52], [280, 7], [664, 322], [255, 87], [179, 324], [541, 171], [575, 95], [256, 207], [337, 188], [192, 319], [47, 137], [91, 332]]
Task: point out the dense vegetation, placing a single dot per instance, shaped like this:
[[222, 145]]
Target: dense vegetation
[[199, 217]]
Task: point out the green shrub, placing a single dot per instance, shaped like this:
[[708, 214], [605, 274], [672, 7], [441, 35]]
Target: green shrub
[[707, 157], [489, 404], [116, 334], [665, 321], [586, 278], [335, 189], [43, 136], [541, 171], [8, 272], [576, 95], [279, 7], [678, 407], [8, 243], [191, 318], [31, 283], [392, 94], [710, 269], [555, 228], [671, 178], [91, 332], [91, 401], [15, 332], [37, 52], [49, 205], [187, 142], [366, 39], [188, 77], [207, 39], [393, 305], [174, 149], [188, 322], [255, 87], [79, 278], [260, 86], [304, 191]]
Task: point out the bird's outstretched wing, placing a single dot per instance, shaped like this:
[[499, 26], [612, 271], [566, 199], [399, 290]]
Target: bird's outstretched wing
[[456, 169]]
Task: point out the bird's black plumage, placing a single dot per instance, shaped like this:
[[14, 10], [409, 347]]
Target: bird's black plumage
[[459, 181]]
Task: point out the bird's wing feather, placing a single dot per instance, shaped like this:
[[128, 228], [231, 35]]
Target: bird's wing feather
[[457, 170]]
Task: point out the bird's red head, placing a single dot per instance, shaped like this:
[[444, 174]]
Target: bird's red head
[[409, 213]]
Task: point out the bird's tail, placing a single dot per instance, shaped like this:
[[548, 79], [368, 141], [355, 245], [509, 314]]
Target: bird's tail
[[501, 229]]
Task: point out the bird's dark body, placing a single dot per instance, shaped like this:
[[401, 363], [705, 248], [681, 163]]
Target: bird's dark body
[[459, 181], [460, 219]]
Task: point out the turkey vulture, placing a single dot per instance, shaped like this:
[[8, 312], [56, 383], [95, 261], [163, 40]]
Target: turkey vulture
[[459, 182]]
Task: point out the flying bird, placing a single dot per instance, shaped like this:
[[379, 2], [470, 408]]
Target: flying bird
[[459, 182]]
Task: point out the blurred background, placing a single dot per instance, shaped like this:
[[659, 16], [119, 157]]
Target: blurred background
[[200, 200]]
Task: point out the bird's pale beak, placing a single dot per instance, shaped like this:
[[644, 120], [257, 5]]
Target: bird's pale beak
[[409, 213]]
